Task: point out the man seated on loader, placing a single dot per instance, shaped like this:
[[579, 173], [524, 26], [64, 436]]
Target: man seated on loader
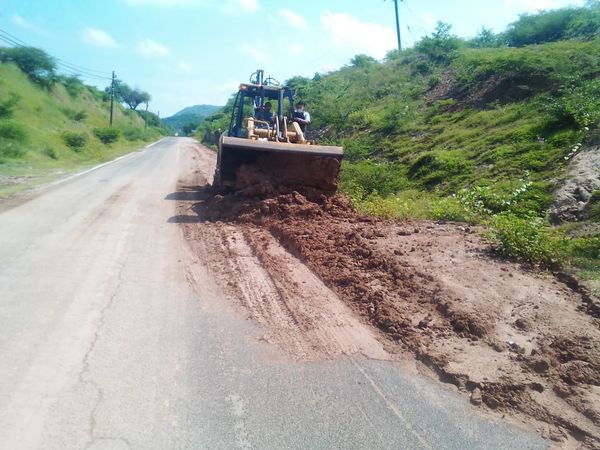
[[265, 114]]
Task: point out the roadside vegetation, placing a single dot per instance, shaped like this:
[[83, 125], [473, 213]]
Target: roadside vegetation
[[479, 131], [51, 124]]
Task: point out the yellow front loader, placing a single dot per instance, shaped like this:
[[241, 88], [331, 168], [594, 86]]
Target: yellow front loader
[[276, 151]]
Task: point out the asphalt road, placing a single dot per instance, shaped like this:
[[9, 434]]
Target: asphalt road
[[105, 343]]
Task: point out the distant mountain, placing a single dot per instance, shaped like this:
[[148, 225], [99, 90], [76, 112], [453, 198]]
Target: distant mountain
[[192, 115]]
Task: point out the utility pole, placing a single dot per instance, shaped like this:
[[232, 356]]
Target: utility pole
[[112, 96], [146, 117], [398, 25]]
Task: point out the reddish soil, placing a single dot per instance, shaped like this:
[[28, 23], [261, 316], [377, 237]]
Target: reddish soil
[[516, 341]]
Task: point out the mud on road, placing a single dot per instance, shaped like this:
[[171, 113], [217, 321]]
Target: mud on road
[[324, 282]]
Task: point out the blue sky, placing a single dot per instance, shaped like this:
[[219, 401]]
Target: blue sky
[[186, 52]]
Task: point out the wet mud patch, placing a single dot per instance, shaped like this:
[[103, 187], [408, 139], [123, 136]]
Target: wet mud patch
[[515, 341]]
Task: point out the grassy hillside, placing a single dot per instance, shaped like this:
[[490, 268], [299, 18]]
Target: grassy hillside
[[190, 117], [480, 131], [45, 131]]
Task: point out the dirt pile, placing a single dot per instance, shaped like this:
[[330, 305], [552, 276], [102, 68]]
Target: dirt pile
[[516, 341]]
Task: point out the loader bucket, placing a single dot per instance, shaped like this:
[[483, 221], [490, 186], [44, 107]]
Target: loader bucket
[[243, 163]]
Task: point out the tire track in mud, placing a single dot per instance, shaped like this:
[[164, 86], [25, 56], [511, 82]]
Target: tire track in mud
[[254, 288], [298, 312]]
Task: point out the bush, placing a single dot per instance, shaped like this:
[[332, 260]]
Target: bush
[[7, 106], [134, 134], [50, 152], [151, 119], [73, 85], [441, 46], [550, 26], [107, 135], [366, 177], [75, 141], [77, 116], [12, 131], [529, 239], [374, 205], [432, 168], [578, 106], [587, 247], [450, 209], [11, 149]]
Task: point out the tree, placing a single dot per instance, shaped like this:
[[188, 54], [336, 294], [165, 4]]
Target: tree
[[441, 46], [189, 129], [363, 61], [559, 24], [485, 39], [151, 119], [35, 63], [132, 97]]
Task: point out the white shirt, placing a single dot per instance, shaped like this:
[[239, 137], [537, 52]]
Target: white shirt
[[306, 115]]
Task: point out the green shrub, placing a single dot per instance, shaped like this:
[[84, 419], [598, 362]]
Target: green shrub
[[12, 131], [134, 134], [587, 247], [441, 46], [432, 168], [50, 152], [367, 177], [11, 149], [450, 209], [377, 206], [549, 26], [577, 106], [528, 239], [77, 116], [107, 135], [73, 85], [7, 106], [75, 141]]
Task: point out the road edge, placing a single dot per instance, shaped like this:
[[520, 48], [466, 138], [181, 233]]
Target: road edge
[[31, 193]]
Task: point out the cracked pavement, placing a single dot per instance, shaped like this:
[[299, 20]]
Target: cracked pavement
[[113, 337]]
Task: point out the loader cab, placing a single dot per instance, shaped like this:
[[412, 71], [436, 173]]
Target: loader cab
[[251, 98]]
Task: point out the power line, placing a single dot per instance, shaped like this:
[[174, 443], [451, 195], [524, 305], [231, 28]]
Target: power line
[[407, 7], [70, 68]]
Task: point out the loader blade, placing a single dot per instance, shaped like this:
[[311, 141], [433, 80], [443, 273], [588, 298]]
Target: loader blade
[[243, 163]]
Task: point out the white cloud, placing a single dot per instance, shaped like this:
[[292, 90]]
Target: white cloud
[[296, 49], [255, 53], [536, 5], [295, 20], [249, 5], [236, 7], [185, 67], [151, 48], [27, 25], [166, 3], [429, 19], [98, 38], [359, 37]]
